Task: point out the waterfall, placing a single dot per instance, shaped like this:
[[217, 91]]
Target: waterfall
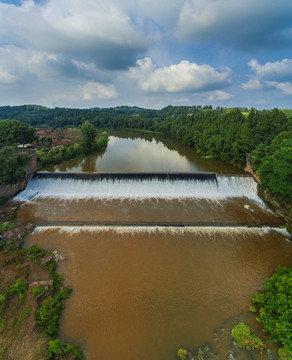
[[221, 187], [175, 230]]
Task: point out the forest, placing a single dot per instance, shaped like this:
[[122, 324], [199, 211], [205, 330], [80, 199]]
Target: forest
[[232, 135]]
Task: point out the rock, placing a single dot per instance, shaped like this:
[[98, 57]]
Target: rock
[[57, 257], [45, 283], [46, 259]]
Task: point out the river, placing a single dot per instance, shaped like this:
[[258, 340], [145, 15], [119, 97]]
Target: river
[[156, 265]]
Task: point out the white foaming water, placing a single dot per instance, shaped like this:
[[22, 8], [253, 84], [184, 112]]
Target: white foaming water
[[208, 230], [107, 189]]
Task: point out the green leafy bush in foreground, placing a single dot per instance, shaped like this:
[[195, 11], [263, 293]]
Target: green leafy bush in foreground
[[274, 307], [246, 338], [57, 348]]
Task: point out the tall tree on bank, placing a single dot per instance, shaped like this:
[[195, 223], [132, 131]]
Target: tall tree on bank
[[15, 132], [89, 134], [12, 165]]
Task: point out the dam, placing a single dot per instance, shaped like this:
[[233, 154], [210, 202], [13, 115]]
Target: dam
[[157, 260]]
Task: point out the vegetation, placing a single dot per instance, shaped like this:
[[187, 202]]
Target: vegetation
[[274, 308], [32, 296], [12, 165], [183, 354], [65, 153], [246, 338], [15, 132], [227, 134]]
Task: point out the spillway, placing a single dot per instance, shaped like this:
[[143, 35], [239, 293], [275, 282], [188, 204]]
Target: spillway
[[167, 186]]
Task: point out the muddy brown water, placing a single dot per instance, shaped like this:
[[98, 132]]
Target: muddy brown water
[[142, 293], [142, 290]]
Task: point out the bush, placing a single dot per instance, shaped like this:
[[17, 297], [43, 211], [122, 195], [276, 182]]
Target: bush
[[275, 307], [284, 354], [182, 353], [57, 348], [36, 252], [48, 314], [19, 288], [246, 338]]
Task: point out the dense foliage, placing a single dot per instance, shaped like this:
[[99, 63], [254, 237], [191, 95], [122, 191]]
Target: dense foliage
[[15, 132], [89, 133], [12, 165], [274, 307]]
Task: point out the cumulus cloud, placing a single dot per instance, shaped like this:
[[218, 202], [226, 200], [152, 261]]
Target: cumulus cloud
[[247, 24], [185, 76], [6, 77], [92, 29], [285, 87], [273, 70], [219, 95], [272, 75], [253, 84], [93, 90]]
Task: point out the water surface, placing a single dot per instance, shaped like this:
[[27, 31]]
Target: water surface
[[141, 152], [142, 293]]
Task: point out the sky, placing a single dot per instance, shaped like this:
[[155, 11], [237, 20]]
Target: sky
[[147, 53]]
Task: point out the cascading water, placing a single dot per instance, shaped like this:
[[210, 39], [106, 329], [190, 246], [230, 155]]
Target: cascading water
[[200, 230], [222, 187]]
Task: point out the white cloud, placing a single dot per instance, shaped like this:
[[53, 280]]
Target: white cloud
[[219, 95], [246, 24], [275, 70], [276, 75], [6, 77], [94, 29], [185, 76], [94, 90], [253, 84], [285, 87]]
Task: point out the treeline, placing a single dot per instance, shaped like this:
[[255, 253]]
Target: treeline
[[37, 116]]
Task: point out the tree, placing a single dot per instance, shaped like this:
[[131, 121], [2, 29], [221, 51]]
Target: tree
[[274, 307], [276, 171], [89, 134], [15, 132], [12, 165]]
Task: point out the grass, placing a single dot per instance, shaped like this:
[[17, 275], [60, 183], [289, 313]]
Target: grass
[[5, 226], [29, 317]]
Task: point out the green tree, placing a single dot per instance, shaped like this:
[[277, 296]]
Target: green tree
[[274, 307], [89, 134], [276, 171], [12, 165], [15, 132]]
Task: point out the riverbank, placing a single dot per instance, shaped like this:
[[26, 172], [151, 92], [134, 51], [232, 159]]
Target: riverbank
[[32, 296]]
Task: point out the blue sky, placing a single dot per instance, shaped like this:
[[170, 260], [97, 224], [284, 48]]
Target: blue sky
[[148, 53]]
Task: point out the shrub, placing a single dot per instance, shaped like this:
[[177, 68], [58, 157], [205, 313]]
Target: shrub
[[246, 338], [182, 353], [48, 314], [275, 307], [284, 354], [36, 252], [19, 288], [57, 348]]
